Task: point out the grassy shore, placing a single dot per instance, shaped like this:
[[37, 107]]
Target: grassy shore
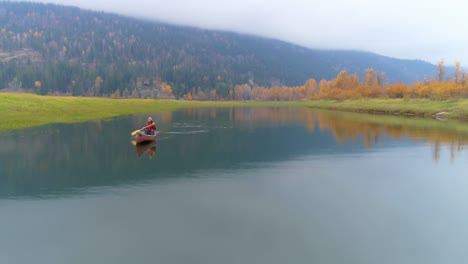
[[450, 109], [26, 110]]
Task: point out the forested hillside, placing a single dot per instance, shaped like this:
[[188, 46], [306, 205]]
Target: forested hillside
[[67, 50]]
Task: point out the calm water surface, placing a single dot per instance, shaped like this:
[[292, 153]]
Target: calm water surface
[[275, 185]]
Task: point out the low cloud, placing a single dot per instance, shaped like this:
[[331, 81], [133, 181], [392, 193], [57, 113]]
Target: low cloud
[[427, 30]]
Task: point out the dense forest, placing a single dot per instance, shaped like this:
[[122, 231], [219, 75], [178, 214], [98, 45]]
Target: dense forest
[[55, 49]]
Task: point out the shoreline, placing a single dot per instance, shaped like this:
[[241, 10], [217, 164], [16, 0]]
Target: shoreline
[[449, 109]]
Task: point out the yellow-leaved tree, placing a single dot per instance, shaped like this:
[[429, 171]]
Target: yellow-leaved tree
[[440, 71], [457, 73], [369, 78], [97, 85], [310, 88]]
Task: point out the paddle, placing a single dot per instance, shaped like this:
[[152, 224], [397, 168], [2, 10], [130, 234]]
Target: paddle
[[135, 132]]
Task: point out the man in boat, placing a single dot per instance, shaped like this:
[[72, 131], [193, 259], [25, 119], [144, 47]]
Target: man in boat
[[150, 127]]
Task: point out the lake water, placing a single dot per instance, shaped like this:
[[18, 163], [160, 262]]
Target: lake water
[[243, 185]]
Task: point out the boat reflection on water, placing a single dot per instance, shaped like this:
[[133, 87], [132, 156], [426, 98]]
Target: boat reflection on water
[[149, 147]]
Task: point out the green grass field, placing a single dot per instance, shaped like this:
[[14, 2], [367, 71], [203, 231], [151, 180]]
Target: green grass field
[[28, 110]]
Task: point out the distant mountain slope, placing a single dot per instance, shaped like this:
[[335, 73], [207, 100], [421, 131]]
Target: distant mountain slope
[[66, 49]]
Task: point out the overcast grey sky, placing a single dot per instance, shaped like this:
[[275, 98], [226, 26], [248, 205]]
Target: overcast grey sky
[[430, 30]]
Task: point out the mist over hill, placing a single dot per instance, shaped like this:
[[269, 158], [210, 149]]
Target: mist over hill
[[53, 48]]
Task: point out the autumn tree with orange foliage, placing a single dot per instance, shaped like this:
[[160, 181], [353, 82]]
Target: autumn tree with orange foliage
[[243, 92], [397, 90], [310, 88]]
